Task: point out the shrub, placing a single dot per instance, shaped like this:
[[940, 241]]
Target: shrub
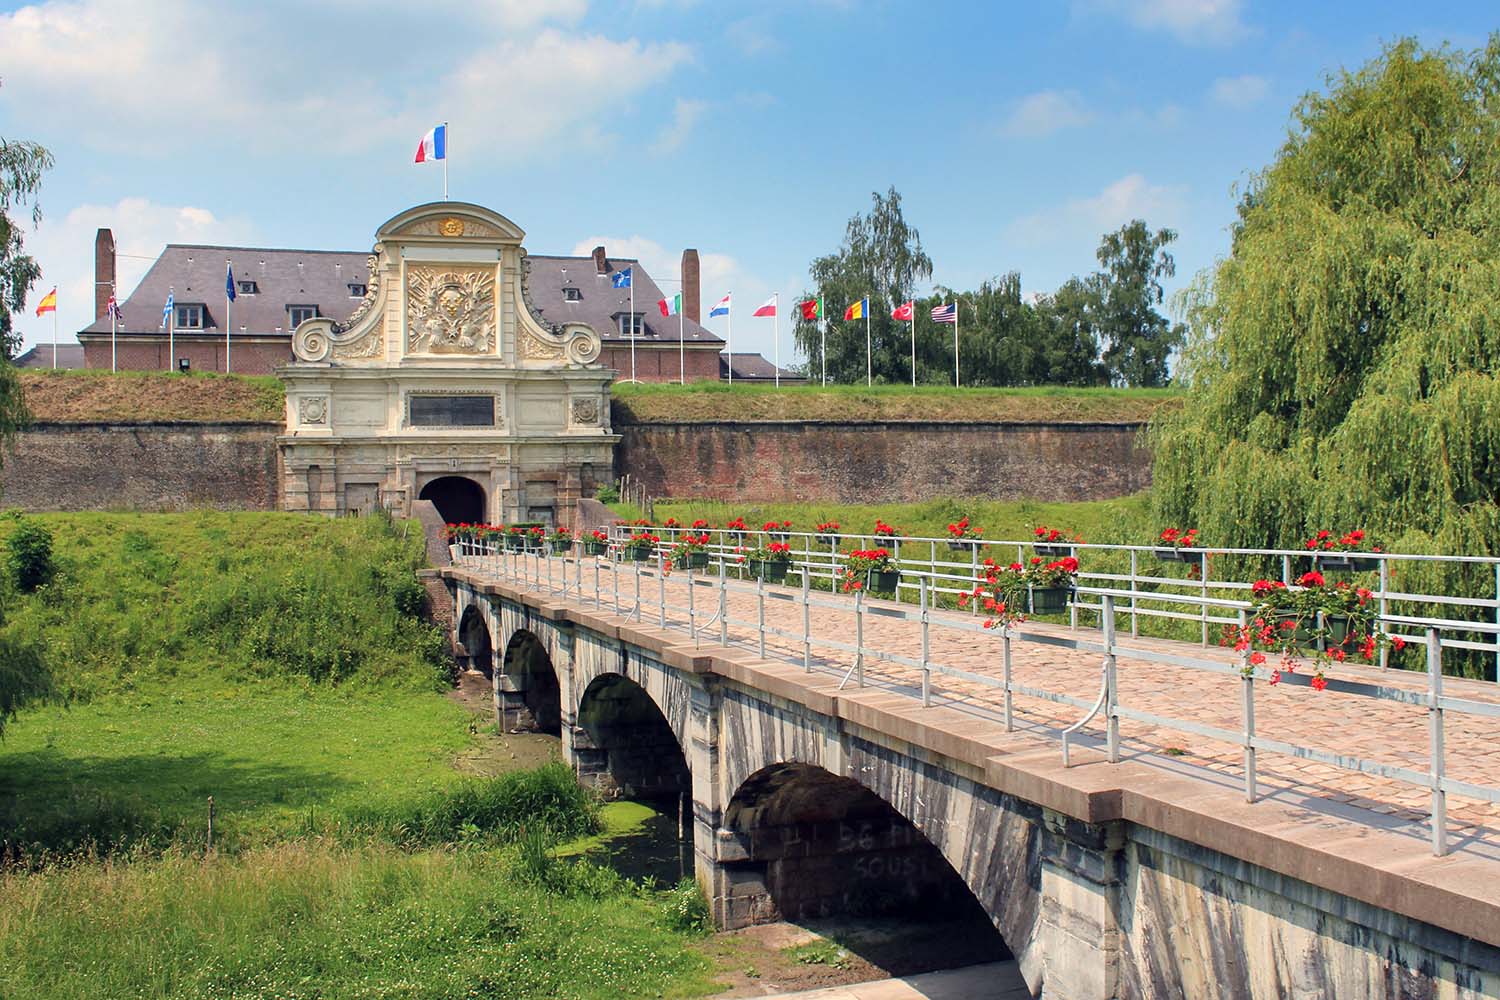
[[607, 493], [28, 556], [686, 909]]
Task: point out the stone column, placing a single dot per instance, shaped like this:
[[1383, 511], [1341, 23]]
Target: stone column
[[1078, 932], [708, 804]]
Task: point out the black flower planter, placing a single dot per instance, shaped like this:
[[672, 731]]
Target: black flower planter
[[639, 553], [515, 543], [692, 560], [1338, 629], [562, 546], [883, 581], [1050, 600], [769, 571], [1051, 551], [594, 547], [1174, 555], [1288, 624], [960, 544], [1347, 562], [827, 540]]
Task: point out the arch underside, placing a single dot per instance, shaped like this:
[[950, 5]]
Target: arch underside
[[624, 744], [474, 640], [531, 694], [458, 499]]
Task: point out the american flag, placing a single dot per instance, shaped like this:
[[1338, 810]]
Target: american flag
[[945, 314]]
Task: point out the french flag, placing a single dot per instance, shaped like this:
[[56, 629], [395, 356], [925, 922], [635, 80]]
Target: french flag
[[434, 145]]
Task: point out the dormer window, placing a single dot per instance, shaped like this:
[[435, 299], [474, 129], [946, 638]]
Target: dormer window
[[189, 316], [571, 294], [625, 322], [248, 288], [357, 290], [297, 315]]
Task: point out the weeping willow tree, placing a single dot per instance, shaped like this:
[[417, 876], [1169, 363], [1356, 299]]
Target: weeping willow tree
[[1343, 361]]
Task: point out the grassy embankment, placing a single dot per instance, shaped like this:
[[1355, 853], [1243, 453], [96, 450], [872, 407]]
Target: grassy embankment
[[89, 396], [717, 401], [273, 662]]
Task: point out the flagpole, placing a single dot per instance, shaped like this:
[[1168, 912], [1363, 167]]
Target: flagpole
[[869, 362], [445, 169], [731, 337], [114, 319], [681, 344], [171, 342], [54, 335], [776, 336], [229, 311], [632, 304], [955, 341], [914, 344], [823, 339]]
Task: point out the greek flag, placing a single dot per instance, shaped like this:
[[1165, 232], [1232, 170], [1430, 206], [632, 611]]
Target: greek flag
[[166, 310]]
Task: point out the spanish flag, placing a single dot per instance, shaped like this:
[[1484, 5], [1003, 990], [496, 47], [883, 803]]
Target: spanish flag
[[857, 311], [48, 303]]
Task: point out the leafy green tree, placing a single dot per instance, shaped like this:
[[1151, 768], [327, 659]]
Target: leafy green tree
[[1344, 359], [21, 168], [1067, 339], [1137, 338], [881, 258]]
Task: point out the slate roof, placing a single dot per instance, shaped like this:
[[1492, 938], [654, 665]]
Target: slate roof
[[754, 368], [283, 278], [601, 303], [40, 356], [321, 278]]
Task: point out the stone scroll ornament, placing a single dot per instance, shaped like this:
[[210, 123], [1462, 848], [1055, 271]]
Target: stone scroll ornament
[[450, 312], [320, 338]]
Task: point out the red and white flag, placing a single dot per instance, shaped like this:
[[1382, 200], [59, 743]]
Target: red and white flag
[[768, 309], [904, 312]]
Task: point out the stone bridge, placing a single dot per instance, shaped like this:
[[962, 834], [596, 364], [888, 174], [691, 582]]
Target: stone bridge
[[1105, 880]]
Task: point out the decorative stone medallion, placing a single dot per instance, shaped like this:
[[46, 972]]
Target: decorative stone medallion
[[451, 227], [585, 411], [313, 410]]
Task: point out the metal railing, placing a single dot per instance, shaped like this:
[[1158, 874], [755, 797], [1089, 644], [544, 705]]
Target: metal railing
[[596, 582]]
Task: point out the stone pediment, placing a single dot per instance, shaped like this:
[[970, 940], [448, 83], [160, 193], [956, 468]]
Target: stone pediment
[[451, 221]]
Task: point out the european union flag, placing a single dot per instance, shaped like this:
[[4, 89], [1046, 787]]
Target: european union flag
[[228, 281], [621, 279]]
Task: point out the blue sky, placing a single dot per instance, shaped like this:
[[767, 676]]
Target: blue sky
[[1016, 133]]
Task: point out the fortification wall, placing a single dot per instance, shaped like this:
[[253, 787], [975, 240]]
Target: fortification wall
[[884, 462], [142, 466]]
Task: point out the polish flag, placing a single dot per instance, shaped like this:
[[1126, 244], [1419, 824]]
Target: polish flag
[[904, 312], [768, 309], [434, 145]]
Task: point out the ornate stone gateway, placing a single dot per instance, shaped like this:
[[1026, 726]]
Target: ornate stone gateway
[[446, 384]]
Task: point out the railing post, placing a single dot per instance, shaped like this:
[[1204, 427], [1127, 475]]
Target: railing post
[[723, 606], [692, 611], [1010, 721], [1247, 708], [635, 613], [614, 565], [1435, 731], [1203, 593], [859, 636], [926, 652], [598, 596], [661, 586], [760, 610], [974, 575], [807, 618], [1111, 684], [1135, 619], [1497, 613]]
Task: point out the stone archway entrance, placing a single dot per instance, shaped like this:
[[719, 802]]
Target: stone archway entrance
[[458, 499]]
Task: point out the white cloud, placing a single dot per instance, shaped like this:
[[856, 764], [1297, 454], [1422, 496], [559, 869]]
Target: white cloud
[[65, 250], [751, 36], [1088, 218], [1046, 112], [685, 116], [1194, 22], [1240, 91], [174, 77]]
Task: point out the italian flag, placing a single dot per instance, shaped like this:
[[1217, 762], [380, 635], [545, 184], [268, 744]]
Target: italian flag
[[672, 306]]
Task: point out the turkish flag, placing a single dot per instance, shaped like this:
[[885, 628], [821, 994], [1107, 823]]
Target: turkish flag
[[904, 311]]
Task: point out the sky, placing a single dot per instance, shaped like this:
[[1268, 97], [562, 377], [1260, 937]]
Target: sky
[[1016, 133]]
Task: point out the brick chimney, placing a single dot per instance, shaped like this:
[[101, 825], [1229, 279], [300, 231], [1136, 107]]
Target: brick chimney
[[601, 262], [691, 293], [104, 271]]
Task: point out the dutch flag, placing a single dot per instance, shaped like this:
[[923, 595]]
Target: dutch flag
[[434, 145]]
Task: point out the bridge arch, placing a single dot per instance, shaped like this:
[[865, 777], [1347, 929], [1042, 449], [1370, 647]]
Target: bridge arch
[[530, 686], [623, 743], [474, 639], [809, 844], [458, 499]]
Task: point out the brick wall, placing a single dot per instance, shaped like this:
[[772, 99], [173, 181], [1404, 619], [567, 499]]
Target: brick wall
[[142, 467], [661, 364], [205, 356], [884, 462]]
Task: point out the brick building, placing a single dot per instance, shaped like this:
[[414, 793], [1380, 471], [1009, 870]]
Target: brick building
[[277, 289]]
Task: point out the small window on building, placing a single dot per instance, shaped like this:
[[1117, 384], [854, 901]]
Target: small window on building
[[639, 323], [248, 288], [300, 314], [451, 411], [356, 290], [189, 316], [572, 295]]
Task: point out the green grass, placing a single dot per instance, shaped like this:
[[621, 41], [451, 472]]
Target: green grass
[[718, 401], [313, 920], [89, 395]]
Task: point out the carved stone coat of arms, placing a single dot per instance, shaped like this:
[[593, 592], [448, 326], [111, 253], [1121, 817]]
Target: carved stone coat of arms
[[450, 312]]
